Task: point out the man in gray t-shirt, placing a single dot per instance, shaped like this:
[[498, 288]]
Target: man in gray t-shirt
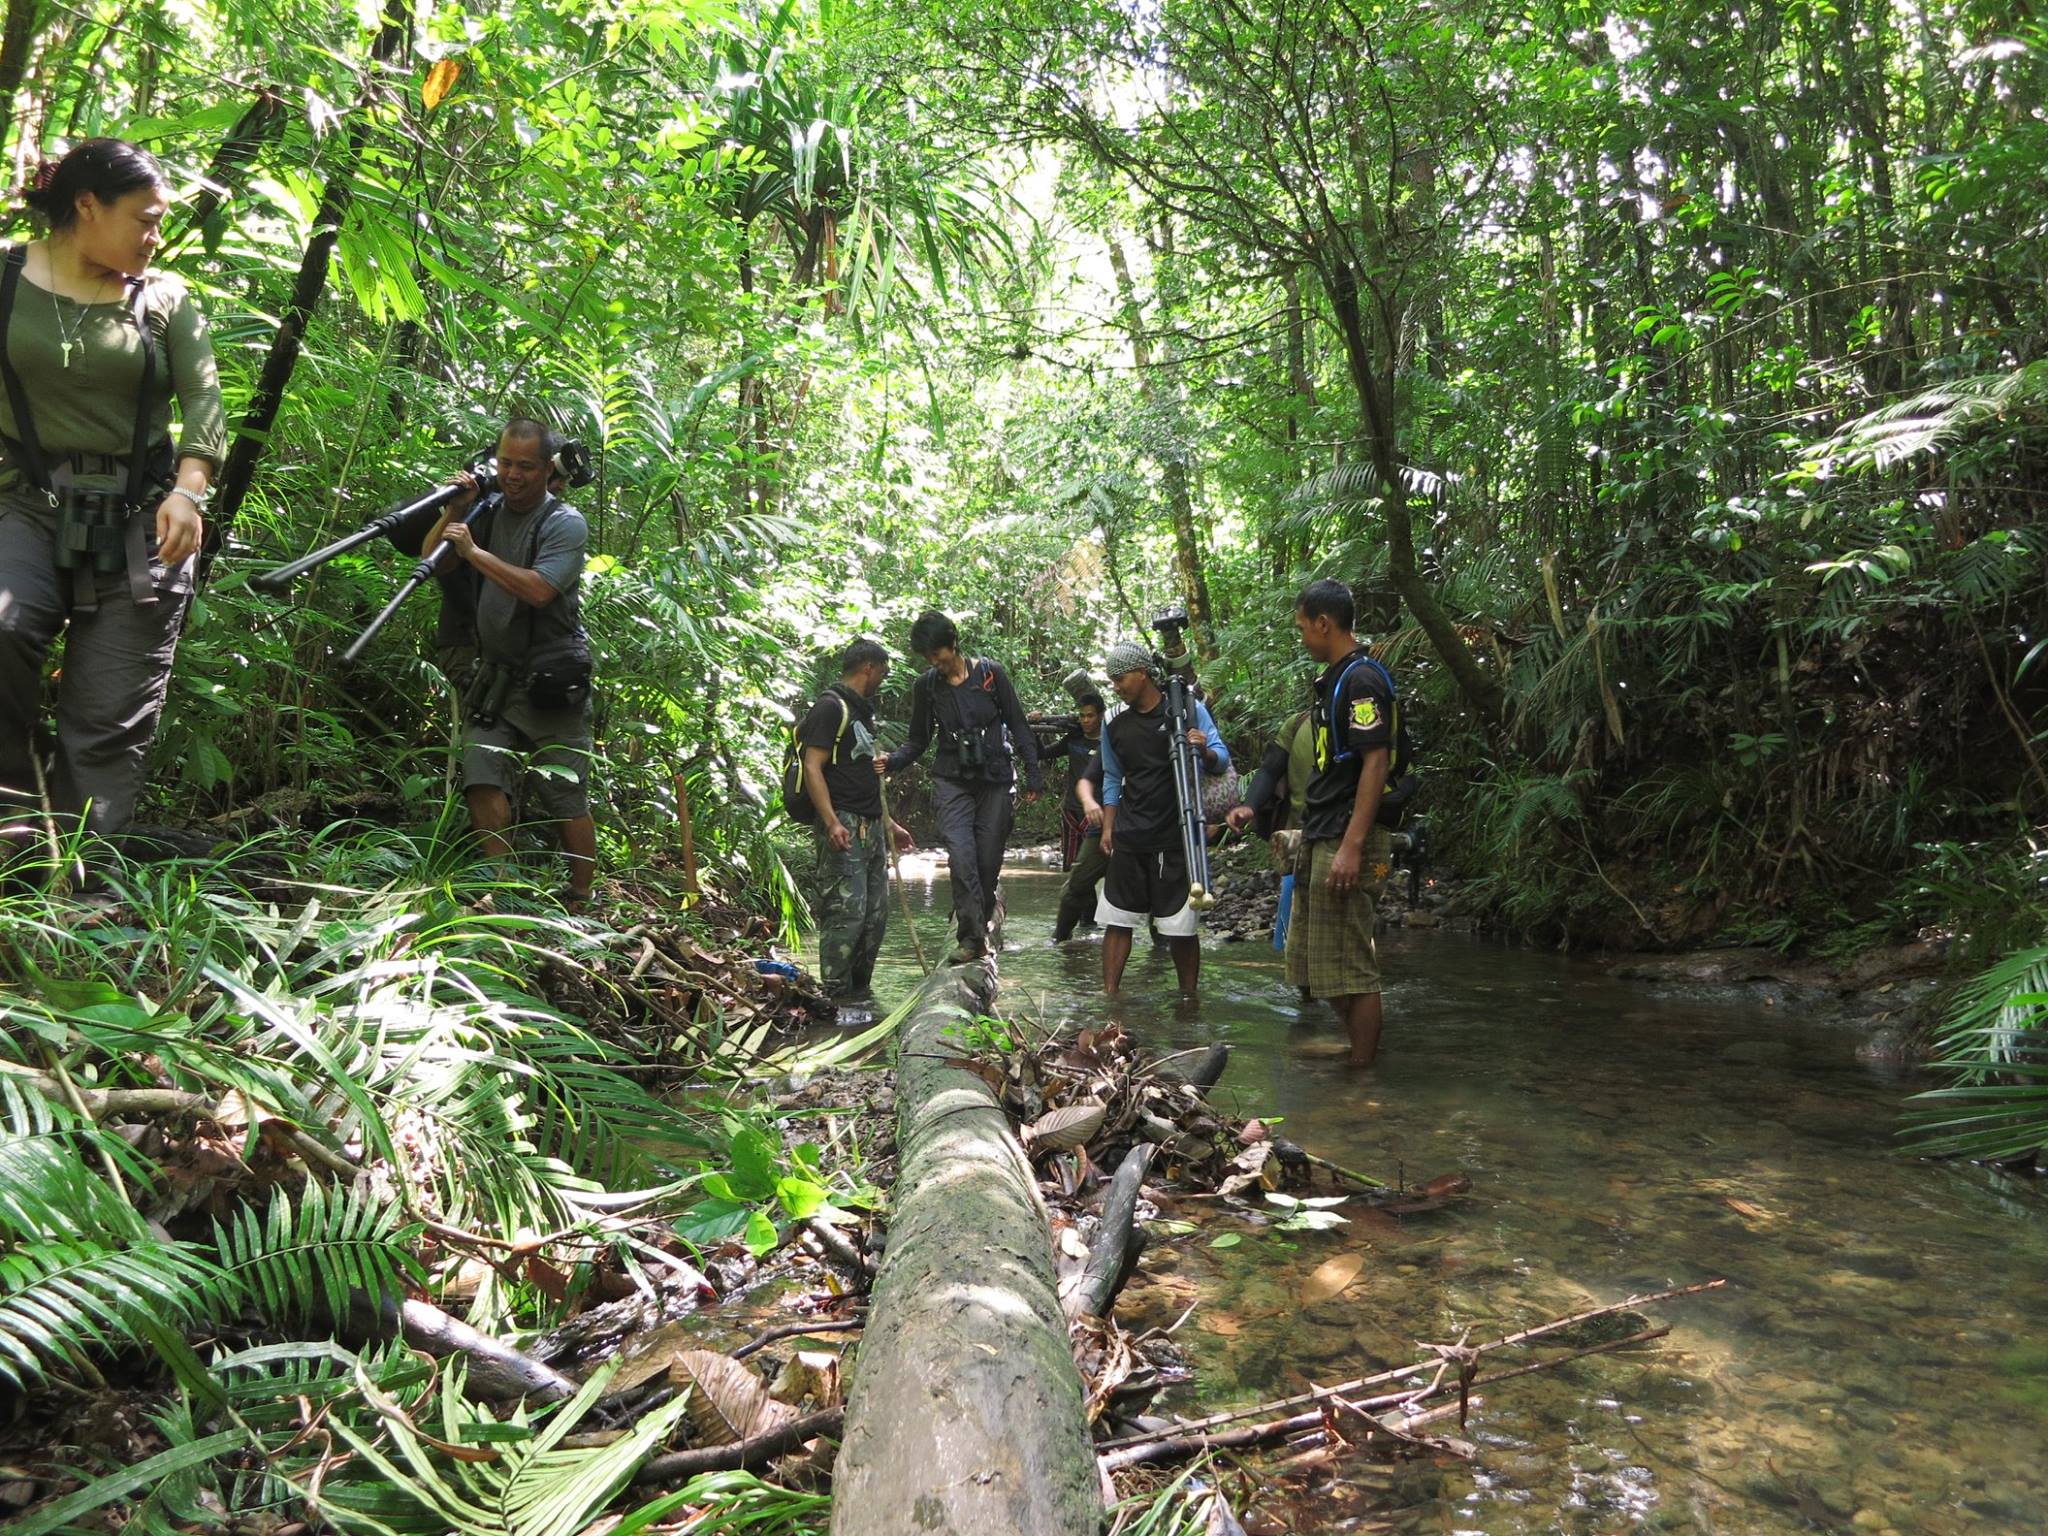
[[526, 552]]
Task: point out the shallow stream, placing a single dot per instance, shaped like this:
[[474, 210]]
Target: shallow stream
[[1878, 1362]]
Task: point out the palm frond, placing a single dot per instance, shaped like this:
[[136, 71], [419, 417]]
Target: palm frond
[[288, 1262], [530, 1485], [63, 1299], [1936, 417], [1994, 1047]]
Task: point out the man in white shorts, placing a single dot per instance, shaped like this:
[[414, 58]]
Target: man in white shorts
[[1148, 872]]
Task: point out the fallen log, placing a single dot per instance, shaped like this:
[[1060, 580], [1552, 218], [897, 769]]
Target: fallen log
[[966, 1413], [496, 1369], [1110, 1258], [681, 1466]]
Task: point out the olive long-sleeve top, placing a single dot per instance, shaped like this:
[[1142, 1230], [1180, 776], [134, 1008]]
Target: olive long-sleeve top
[[89, 407]]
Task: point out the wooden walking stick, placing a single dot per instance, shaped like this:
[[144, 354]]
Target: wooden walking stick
[[896, 875]]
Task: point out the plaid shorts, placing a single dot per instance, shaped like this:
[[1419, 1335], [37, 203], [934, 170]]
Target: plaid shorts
[[1329, 938]]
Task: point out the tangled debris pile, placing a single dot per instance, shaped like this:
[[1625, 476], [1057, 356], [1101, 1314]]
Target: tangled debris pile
[[1118, 1139], [677, 992]]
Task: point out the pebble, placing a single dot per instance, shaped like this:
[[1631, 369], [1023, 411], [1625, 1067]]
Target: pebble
[[1867, 1520]]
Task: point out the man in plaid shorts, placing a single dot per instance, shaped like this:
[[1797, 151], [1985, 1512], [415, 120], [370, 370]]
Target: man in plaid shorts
[[1344, 854]]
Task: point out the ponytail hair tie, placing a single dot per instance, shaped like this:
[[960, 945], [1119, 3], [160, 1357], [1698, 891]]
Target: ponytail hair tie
[[46, 172]]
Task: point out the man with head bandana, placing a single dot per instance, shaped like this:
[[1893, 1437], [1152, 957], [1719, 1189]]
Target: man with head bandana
[[1148, 872]]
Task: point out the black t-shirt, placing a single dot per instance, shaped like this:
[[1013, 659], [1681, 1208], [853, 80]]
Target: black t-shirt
[[1354, 713], [983, 704], [850, 770], [1148, 809]]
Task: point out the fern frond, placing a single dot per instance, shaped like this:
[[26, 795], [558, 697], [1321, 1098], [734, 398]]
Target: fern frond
[[289, 1261], [62, 1299], [47, 1189]]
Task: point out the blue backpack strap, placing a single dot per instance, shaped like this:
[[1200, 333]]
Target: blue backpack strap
[[1393, 700]]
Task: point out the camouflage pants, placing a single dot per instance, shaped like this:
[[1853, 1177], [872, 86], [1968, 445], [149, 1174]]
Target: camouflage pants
[[853, 906]]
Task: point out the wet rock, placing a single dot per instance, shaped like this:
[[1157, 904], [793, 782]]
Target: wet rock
[[1704, 967], [1420, 918], [1882, 1263]]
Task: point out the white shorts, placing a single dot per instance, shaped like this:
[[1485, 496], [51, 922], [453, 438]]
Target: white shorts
[[1138, 885]]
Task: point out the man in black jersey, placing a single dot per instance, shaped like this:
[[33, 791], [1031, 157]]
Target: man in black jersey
[[1148, 870]]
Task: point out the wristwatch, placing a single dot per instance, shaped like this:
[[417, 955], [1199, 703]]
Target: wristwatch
[[197, 498]]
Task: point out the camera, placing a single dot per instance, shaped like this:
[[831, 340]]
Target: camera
[[1172, 624], [573, 463]]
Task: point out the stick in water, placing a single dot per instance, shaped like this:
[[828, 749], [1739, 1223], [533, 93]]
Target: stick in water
[[896, 875]]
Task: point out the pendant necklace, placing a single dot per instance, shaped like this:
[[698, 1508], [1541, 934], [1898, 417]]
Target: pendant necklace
[[73, 337]]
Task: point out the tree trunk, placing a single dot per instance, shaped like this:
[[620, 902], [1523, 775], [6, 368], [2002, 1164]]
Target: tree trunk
[[254, 434], [263, 122], [966, 1414], [1173, 460], [1375, 396], [17, 41]]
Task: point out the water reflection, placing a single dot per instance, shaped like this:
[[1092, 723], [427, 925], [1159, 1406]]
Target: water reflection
[[1871, 1367]]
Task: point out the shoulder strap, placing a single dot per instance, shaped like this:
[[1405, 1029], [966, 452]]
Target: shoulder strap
[[138, 444], [845, 719], [547, 511], [17, 398]]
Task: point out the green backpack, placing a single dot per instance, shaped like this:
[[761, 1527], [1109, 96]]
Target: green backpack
[[796, 789]]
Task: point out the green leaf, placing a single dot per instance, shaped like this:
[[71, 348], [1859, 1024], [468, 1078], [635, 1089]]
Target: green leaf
[[1227, 1240], [800, 1197], [753, 1164], [762, 1239], [103, 1491], [713, 1221]]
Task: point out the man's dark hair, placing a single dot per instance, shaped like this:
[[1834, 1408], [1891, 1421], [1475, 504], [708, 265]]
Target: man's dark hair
[[107, 168], [525, 426], [933, 631], [862, 653], [1092, 701], [1327, 599]]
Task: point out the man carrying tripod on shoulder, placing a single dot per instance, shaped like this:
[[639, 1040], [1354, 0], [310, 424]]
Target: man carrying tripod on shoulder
[[528, 702], [1148, 877]]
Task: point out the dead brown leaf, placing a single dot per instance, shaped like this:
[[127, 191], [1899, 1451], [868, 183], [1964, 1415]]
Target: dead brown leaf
[[727, 1401], [1331, 1277]]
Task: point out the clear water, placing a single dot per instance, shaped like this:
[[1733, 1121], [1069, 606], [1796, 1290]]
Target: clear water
[[1878, 1361]]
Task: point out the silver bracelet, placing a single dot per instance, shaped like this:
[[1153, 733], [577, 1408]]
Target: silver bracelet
[[198, 501]]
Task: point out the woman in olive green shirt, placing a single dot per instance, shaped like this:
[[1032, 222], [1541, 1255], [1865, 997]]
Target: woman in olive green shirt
[[81, 554]]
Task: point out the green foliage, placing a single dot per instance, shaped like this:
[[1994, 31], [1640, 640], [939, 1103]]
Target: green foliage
[[291, 1262], [62, 1299], [525, 1484], [1991, 1047]]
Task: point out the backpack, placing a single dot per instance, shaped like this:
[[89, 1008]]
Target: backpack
[[796, 789]]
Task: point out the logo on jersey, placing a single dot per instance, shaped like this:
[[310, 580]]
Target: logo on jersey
[[1365, 714]]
